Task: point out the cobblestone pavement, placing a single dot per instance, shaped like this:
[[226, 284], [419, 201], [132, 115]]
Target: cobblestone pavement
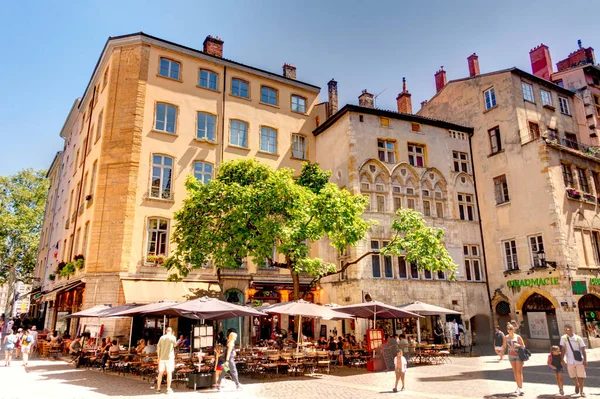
[[475, 377]]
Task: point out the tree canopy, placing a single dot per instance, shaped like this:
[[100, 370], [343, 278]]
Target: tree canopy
[[251, 210], [22, 201]]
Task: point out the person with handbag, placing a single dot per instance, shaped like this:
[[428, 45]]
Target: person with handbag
[[573, 347], [515, 346]]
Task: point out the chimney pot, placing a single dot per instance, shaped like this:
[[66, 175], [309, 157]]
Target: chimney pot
[[332, 105], [440, 79], [403, 100], [213, 45], [366, 99], [473, 61], [423, 103], [541, 63], [289, 71]]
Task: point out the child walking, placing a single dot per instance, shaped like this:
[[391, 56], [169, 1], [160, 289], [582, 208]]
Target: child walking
[[555, 363], [400, 365]]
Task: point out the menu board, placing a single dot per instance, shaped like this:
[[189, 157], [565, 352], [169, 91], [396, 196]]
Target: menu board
[[203, 336], [374, 338], [538, 325], [388, 356]]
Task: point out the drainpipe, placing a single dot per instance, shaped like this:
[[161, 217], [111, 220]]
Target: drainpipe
[[485, 263], [222, 141]]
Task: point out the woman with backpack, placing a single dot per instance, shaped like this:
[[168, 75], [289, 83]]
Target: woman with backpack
[[9, 346], [26, 341]]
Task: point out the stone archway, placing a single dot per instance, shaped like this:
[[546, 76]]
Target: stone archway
[[539, 316]]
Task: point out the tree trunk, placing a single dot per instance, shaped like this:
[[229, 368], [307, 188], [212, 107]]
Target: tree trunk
[[296, 282], [10, 295]]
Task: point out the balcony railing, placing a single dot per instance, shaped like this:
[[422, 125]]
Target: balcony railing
[[574, 145]]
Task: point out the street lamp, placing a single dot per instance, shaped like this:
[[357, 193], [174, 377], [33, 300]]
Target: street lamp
[[543, 263]]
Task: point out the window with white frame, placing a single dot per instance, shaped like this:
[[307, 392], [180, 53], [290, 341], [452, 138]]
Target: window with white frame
[[461, 161], [414, 271], [206, 126], [165, 118], [268, 140], [546, 97], [402, 268], [207, 79], [240, 88], [298, 146], [427, 275], [501, 190], [441, 275], [426, 208], [511, 260], [563, 102], [93, 179], [416, 155], [490, 98], [203, 171], [162, 173], [386, 150], [238, 133], [472, 262], [536, 244], [298, 104], [527, 92], [375, 259], [388, 271], [169, 68], [158, 236], [268, 95], [273, 258], [99, 125], [466, 207]]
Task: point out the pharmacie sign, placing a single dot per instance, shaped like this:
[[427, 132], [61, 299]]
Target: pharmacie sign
[[595, 281], [529, 282]]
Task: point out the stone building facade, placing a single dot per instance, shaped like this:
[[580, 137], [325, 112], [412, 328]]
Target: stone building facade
[[153, 113], [537, 183], [399, 160]]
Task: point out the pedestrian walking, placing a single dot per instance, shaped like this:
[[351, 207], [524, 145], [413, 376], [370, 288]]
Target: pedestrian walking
[[166, 358], [573, 347], [555, 363], [400, 365], [499, 343], [512, 343], [26, 342], [19, 335], [34, 335], [229, 365], [10, 340]]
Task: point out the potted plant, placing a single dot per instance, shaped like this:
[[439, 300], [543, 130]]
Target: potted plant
[[52, 276], [572, 193], [68, 269], [59, 267], [79, 261], [156, 259], [589, 198]]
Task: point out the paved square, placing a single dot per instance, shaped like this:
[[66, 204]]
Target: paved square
[[475, 377]]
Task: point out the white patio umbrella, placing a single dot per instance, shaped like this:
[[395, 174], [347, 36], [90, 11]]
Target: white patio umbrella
[[214, 309], [373, 309], [90, 312], [425, 309], [303, 308]]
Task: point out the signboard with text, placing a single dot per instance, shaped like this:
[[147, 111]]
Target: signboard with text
[[530, 282]]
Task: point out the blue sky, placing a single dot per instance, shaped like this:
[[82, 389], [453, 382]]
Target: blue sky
[[49, 49]]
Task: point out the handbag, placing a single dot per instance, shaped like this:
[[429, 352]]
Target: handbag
[[524, 354], [576, 354]]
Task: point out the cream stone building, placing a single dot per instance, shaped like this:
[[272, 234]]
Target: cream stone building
[[537, 183], [153, 113], [399, 160]]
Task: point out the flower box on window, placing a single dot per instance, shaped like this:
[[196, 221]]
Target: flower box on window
[[156, 259], [571, 193], [589, 198]]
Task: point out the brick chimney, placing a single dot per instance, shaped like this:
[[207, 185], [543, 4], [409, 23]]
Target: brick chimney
[[473, 60], [213, 45], [403, 100], [579, 57], [440, 79], [541, 63], [332, 105], [289, 71], [365, 99], [423, 103]]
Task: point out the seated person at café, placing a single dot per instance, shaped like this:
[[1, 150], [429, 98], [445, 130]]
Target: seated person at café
[[113, 354], [149, 349], [332, 345], [53, 338], [403, 342], [184, 344], [75, 347], [353, 341], [322, 342], [179, 341], [141, 345], [363, 343]]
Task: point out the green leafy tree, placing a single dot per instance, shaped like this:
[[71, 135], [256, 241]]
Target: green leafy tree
[[419, 243], [249, 209], [22, 201]]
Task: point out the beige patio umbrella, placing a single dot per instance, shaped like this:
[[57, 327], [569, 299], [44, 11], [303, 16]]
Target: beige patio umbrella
[[425, 309]]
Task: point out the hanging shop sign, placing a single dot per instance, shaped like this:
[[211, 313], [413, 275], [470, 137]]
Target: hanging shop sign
[[528, 282], [595, 281]]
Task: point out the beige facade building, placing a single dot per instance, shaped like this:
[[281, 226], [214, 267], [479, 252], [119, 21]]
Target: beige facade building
[[398, 160], [537, 184], [153, 113]]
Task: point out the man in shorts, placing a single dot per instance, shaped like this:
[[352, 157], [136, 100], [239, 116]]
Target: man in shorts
[[573, 347], [166, 358]]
